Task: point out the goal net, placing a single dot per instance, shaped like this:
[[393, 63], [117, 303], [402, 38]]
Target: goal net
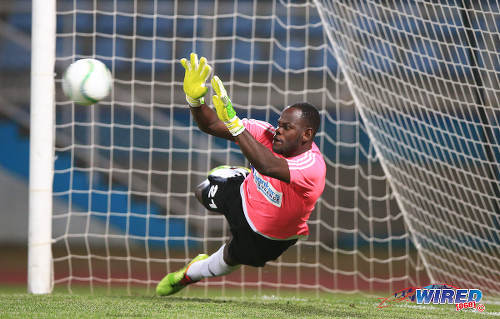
[[425, 79], [396, 111]]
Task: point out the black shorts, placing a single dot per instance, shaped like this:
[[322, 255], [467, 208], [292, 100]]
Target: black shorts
[[221, 193]]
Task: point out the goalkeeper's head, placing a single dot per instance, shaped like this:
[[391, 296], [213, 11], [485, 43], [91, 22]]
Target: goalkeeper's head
[[296, 129]]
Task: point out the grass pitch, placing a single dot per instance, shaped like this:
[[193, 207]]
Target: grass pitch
[[16, 303]]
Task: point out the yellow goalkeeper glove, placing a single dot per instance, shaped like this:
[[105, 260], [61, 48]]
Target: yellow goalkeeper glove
[[195, 77], [224, 108]]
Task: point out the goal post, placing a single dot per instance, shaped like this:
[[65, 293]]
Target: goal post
[[40, 277]]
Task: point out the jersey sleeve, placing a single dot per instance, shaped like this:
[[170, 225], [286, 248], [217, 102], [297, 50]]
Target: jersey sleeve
[[260, 130]]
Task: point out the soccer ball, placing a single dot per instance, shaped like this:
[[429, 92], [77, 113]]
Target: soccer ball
[[87, 81]]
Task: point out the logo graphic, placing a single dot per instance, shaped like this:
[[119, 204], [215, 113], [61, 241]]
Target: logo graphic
[[266, 189], [437, 294], [407, 294], [211, 194]]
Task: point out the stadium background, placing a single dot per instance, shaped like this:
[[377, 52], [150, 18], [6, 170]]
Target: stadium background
[[15, 29]]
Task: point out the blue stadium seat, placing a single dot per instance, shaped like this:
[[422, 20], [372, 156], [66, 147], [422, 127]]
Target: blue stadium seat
[[144, 26], [379, 56], [21, 21], [280, 32], [315, 32], [424, 56], [242, 49], [104, 47], [296, 58], [165, 27], [104, 23], [164, 51], [332, 63], [263, 28], [12, 55], [224, 26], [144, 49], [279, 56], [185, 27], [84, 22], [244, 27], [124, 25]]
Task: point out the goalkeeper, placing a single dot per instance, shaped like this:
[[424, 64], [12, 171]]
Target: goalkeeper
[[266, 207]]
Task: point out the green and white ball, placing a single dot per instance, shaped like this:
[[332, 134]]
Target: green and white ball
[[87, 81]]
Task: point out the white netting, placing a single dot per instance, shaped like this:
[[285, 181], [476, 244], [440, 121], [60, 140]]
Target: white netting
[[425, 77], [126, 167]]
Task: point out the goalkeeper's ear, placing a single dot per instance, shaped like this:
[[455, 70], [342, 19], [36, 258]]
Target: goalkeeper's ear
[[307, 135]]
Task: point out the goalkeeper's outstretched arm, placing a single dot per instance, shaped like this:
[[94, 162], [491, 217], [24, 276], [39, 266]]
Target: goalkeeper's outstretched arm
[[208, 122], [224, 123], [261, 158]]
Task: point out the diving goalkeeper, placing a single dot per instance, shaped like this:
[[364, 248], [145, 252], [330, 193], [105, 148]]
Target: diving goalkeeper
[[266, 207]]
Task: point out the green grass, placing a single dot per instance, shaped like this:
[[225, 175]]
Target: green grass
[[16, 303]]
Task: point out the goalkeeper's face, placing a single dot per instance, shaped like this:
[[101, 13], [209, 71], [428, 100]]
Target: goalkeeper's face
[[291, 137]]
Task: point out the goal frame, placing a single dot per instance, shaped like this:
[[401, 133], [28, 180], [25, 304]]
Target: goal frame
[[42, 158]]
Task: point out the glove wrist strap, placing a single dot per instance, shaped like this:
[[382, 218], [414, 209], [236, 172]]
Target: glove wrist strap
[[195, 102], [235, 126]]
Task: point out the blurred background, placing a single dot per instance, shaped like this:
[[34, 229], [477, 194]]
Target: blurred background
[[126, 167], [15, 48], [149, 154]]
